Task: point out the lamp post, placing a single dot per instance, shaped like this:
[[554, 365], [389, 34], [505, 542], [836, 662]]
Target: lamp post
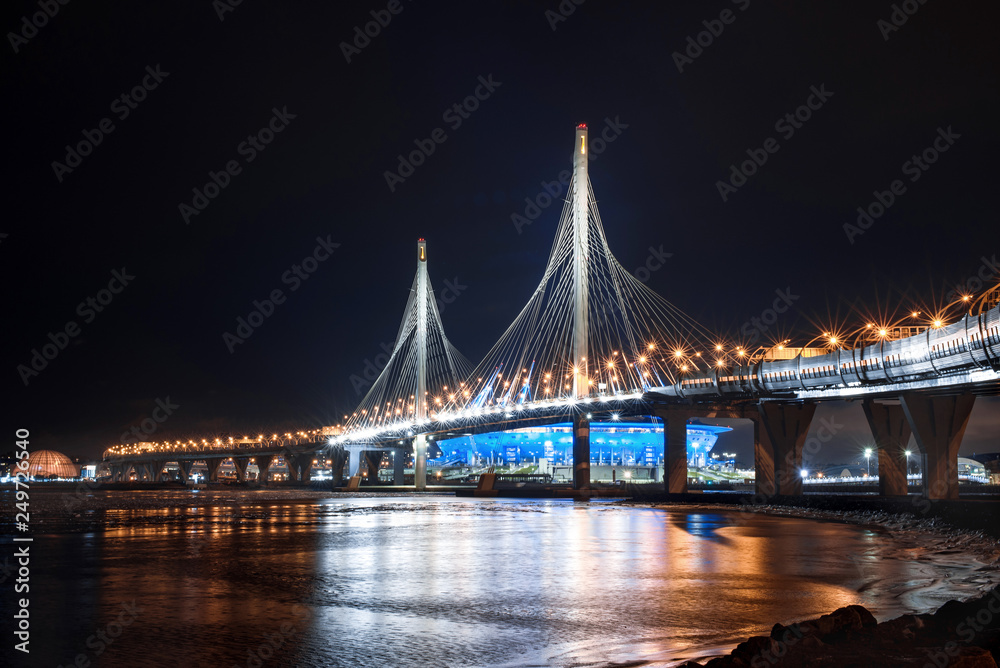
[[908, 453], [868, 456]]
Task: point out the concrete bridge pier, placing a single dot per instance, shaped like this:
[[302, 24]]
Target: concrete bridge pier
[[938, 425], [184, 466], [420, 461], [892, 433], [398, 466], [371, 459], [581, 452], [293, 471], [763, 461], [338, 457], [299, 467], [675, 464], [787, 426], [156, 470], [240, 463], [212, 464], [263, 463], [143, 471], [305, 467]]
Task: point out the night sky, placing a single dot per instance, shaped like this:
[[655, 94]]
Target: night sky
[[211, 76]]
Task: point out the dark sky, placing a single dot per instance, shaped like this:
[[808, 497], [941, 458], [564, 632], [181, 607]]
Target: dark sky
[[222, 78]]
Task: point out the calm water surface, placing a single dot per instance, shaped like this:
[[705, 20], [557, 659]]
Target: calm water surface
[[440, 581]]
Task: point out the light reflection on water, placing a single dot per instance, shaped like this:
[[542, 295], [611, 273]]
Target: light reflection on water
[[454, 582]]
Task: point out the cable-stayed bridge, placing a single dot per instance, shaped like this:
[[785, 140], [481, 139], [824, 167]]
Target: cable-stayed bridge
[[593, 342]]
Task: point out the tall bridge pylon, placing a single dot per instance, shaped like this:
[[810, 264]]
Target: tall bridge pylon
[[590, 328], [423, 369]]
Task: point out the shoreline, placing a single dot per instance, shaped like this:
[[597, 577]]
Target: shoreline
[[927, 630], [959, 633], [964, 630]]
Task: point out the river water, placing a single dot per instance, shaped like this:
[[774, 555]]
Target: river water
[[442, 581]]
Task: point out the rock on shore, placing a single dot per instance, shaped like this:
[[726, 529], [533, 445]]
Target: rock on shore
[[960, 635]]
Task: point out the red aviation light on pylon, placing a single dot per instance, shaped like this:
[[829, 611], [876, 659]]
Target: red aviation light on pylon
[[581, 126]]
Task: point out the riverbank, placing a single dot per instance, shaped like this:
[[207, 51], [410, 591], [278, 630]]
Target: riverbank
[[961, 629], [960, 634]]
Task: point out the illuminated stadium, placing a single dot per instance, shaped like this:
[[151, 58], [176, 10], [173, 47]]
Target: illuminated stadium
[[612, 443]]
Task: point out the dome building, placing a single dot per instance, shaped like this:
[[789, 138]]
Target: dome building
[[45, 463]]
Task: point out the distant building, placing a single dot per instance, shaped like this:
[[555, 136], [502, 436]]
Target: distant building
[[968, 466], [51, 464]]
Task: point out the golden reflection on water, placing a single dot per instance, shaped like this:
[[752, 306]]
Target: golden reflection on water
[[467, 582]]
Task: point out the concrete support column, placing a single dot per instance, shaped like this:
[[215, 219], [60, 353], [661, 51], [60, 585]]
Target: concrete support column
[[263, 463], [891, 432], [675, 467], [420, 462], [763, 462], [143, 472], [156, 467], [938, 425], [303, 464], [581, 452], [339, 457], [371, 459], [675, 464], [398, 466], [291, 465], [184, 466], [787, 426], [240, 463], [213, 468]]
